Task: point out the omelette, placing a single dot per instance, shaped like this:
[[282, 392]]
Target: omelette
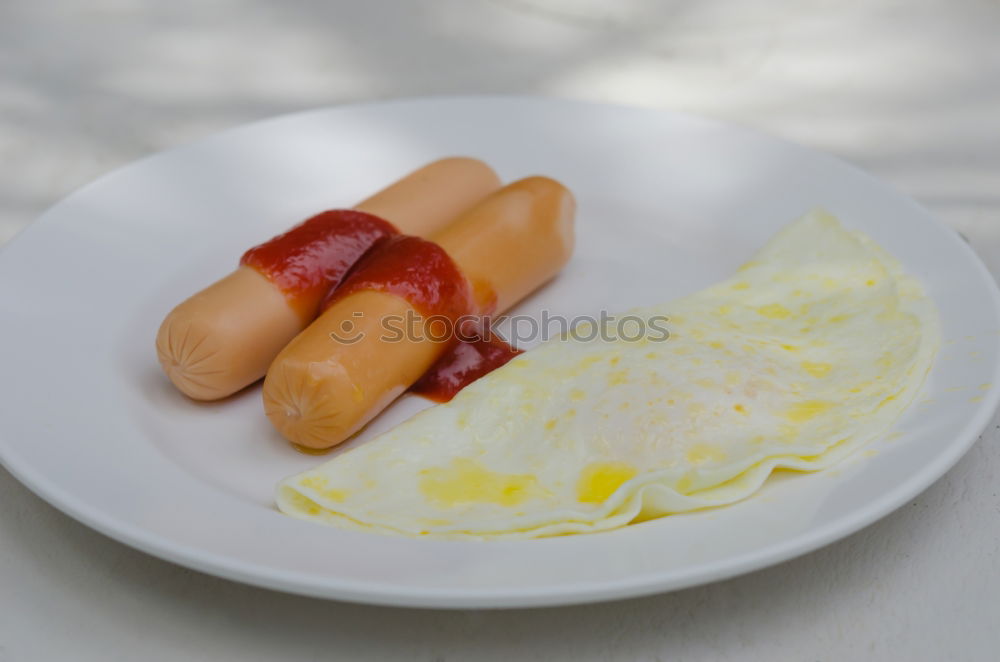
[[812, 349]]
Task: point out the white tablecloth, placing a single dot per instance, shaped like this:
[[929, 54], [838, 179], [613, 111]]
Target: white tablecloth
[[908, 89]]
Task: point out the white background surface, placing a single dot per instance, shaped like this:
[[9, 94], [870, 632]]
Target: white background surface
[[908, 90]]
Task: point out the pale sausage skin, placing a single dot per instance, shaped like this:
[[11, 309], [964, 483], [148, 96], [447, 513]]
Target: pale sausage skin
[[223, 338], [319, 391]]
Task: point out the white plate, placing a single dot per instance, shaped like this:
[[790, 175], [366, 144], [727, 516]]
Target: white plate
[[667, 204]]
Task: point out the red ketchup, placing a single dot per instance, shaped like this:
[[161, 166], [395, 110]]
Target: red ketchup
[[314, 256], [423, 274], [462, 364], [414, 269]]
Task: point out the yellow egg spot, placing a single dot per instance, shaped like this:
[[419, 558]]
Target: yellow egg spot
[[715, 344], [839, 318], [314, 482], [683, 350], [651, 355], [724, 310], [869, 282], [803, 411], [683, 484], [742, 285], [740, 408], [817, 369], [886, 401], [334, 495], [701, 453], [985, 387], [618, 377], [733, 378], [302, 503], [615, 359], [550, 424], [587, 361], [790, 348], [747, 265], [467, 481], [319, 485], [576, 394], [599, 480], [774, 311], [570, 413], [885, 361]]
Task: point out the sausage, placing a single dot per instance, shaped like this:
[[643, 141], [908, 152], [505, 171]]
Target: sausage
[[224, 337], [320, 390]]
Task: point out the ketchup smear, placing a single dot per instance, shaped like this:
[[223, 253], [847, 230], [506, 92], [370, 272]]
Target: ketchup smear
[[423, 274], [414, 269], [463, 363], [314, 256]]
